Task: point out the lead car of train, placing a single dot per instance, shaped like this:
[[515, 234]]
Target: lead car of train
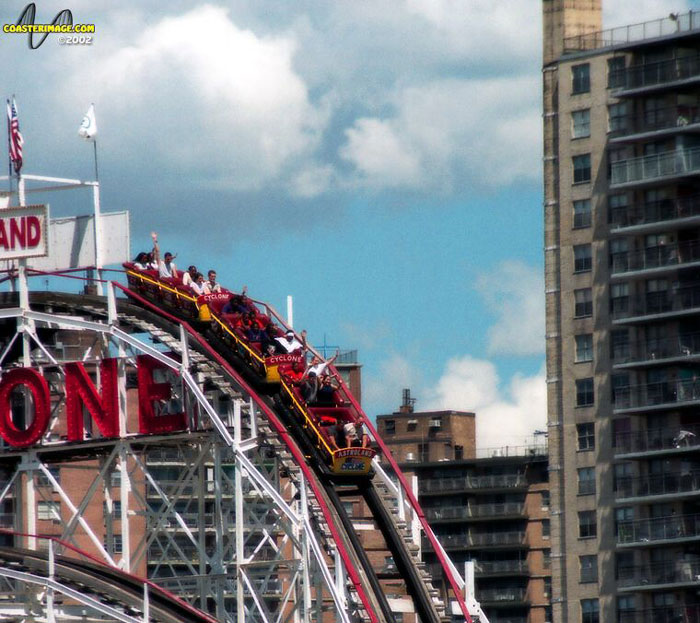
[[281, 373]]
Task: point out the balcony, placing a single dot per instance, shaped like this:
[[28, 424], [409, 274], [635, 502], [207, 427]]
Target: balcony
[[675, 118], [672, 528], [466, 483], [658, 74], [680, 300], [474, 511], [670, 483], [657, 440], [501, 567], [666, 165], [487, 539], [646, 352], [652, 396], [501, 595], [641, 216], [670, 614], [624, 35], [658, 574], [654, 258]]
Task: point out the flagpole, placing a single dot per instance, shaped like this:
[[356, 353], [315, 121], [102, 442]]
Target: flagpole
[[9, 157]]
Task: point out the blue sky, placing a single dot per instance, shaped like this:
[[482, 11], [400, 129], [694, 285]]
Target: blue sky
[[378, 161]]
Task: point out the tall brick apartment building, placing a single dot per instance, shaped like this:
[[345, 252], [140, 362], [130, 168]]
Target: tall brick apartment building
[[622, 262]]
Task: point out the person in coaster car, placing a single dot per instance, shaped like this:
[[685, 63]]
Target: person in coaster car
[[166, 266], [288, 343]]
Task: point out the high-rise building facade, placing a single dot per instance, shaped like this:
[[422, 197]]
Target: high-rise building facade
[[488, 506], [622, 252]]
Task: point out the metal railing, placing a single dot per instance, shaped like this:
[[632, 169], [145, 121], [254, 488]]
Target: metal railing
[[658, 529], [493, 567], [656, 73], [634, 32], [654, 212], [486, 539], [658, 393], [501, 594], [465, 483], [671, 572], [658, 484], [665, 164], [657, 439], [672, 254], [684, 345], [679, 613], [659, 119], [474, 511], [675, 299], [538, 449]]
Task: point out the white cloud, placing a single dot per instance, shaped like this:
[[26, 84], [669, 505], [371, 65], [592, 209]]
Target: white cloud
[[205, 96], [514, 292], [503, 416], [395, 374], [451, 133]]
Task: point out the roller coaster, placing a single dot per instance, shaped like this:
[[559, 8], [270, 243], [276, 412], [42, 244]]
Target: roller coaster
[[143, 435]]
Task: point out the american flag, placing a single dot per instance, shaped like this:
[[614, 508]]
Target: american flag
[[15, 137]]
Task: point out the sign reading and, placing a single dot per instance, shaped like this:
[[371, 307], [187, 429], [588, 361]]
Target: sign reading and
[[24, 232]]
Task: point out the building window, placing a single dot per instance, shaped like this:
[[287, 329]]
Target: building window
[[547, 558], [623, 516], [617, 118], [582, 213], [589, 611], [389, 427], [116, 478], [626, 607], [42, 480], [584, 392], [459, 453], [583, 303], [616, 72], [586, 480], [580, 78], [622, 476], [582, 168], [586, 524], [620, 388], [583, 258], [584, 347], [545, 529], [619, 256], [589, 568], [117, 542], [348, 508], [585, 436], [545, 498], [547, 588], [116, 508], [581, 123], [48, 511], [424, 452], [619, 298]]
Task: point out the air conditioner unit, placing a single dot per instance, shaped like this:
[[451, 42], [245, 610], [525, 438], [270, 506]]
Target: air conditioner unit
[[410, 456], [435, 423]]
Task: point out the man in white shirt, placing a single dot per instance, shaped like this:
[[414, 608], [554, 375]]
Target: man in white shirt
[[288, 343], [318, 366], [166, 267], [212, 283]]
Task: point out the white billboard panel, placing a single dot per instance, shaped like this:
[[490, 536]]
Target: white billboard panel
[[23, 232], [72, 242]]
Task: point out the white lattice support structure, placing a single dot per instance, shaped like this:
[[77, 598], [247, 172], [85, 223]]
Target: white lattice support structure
[[204, 513]]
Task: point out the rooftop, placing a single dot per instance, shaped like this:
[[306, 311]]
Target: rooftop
[[674, 24]]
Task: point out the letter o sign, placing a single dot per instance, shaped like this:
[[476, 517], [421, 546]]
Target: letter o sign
[[39, 388]]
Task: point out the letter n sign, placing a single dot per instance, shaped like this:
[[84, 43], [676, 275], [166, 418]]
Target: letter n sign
[[81, 391], [149, 391]]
